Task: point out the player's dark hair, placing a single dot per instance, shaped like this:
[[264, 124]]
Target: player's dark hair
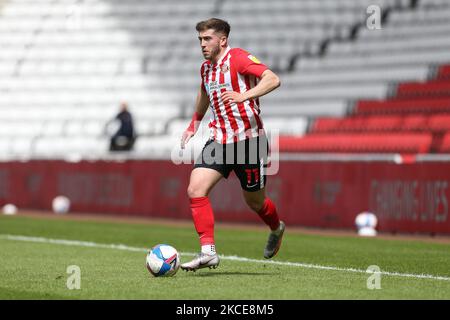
[[216, 24]]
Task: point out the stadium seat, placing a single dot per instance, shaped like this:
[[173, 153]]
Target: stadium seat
[[313, 108], [394, 30], [357, 143], [403, 106], [408, 123], [445, 145], [374, 45], [282, 126], [396, 73], [444, 72], [439, 122], [326, 125], [414, 122], [358, 124], [5, 144], [367, 60], [21, 145], [52, 128], [427, 89]]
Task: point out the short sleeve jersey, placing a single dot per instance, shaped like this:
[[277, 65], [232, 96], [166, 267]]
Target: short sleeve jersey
[[239, 71]]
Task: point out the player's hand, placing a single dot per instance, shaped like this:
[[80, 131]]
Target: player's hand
[[187, 135], [232, 97]]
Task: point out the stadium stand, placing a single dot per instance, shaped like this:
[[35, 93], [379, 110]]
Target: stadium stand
[[403, 143], [419, 111], [405, 106], [423, 90], [445, 146], [66, 65], [418, 107]]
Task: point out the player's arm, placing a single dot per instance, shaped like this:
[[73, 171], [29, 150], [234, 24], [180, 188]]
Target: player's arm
[[201, 106], [269, 81]]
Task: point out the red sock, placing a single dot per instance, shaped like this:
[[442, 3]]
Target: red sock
[[203, 219], [269, 214]]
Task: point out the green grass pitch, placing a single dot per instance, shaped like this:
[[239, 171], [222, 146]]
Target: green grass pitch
[[37, 270]]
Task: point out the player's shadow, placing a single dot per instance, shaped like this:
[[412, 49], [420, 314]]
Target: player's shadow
[[233, 273]]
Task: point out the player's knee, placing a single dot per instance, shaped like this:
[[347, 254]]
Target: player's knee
[[194, 191]]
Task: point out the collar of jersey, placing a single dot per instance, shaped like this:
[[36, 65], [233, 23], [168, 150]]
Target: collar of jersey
[[223, 56]]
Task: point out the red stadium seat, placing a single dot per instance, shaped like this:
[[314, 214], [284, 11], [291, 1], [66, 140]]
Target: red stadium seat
[[439, 123], [444, 72], [374, 143], [390, 123], [370, 124], [427, 89], [357, 124], [445, 146], [326, 124], [415, 122], [401, 106]]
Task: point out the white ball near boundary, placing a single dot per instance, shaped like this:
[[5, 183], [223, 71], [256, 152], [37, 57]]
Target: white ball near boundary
[[367, 232], [366, 220], [9, 209], [366, 223], [61, 204]]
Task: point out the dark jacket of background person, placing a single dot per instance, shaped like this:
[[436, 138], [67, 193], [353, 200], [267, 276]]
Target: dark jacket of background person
[[124, 138]]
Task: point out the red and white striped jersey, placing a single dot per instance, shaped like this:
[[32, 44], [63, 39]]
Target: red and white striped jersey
[[238, 71]]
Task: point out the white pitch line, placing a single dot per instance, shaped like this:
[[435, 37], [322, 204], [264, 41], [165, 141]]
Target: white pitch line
[[231, 258]]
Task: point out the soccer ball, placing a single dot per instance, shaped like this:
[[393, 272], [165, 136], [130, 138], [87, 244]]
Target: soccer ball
[[163, 261], [9, 209], [366, 220], [366, 223], [61, 204]]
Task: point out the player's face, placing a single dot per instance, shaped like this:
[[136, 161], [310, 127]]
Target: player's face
[[211, 44]]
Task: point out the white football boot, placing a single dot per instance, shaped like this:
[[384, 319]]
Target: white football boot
[[203, 260]]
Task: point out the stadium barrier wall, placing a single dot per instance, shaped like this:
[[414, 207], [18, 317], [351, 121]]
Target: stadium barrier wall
[[407, 198]]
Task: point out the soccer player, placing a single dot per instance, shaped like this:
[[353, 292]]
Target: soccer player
[[232, 80]]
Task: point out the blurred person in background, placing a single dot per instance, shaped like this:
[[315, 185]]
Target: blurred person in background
[[123, 139], [232, 80]]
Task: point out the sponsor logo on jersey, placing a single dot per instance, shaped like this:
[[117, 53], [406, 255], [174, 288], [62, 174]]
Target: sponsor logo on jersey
[[254, 59], [225, 68], [214, 85]]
